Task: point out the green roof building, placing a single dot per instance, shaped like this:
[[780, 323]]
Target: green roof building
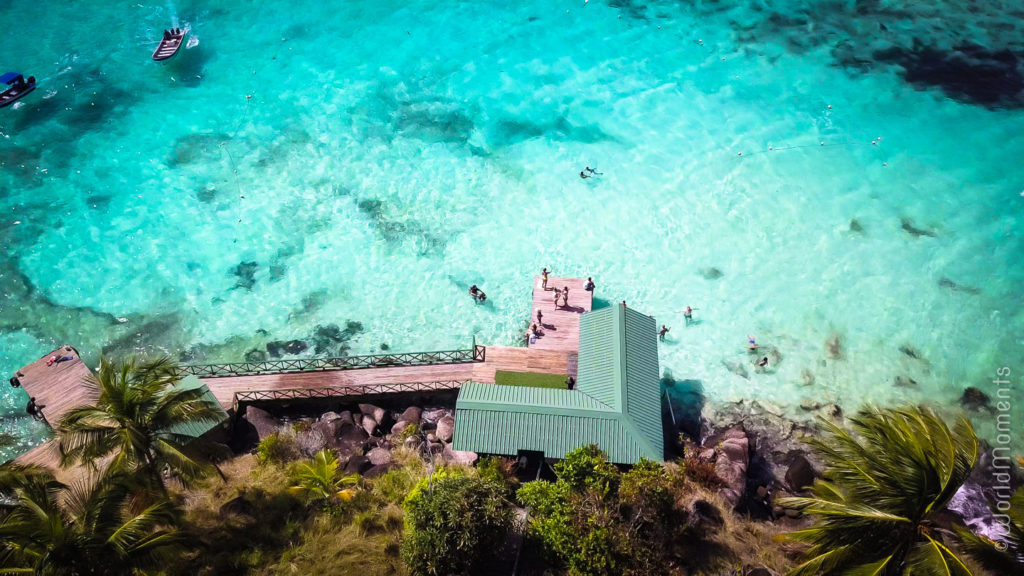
[[616, 403], [198, 428]]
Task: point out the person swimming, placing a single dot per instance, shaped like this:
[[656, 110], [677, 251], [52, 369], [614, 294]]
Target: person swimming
[[477, 294]]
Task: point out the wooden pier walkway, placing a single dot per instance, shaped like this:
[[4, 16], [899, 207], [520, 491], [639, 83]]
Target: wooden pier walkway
[[59, 387], [560, 327]]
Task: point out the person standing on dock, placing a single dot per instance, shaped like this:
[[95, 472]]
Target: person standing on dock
[[544, 279], [565, 297], [590, 285], [558, 294], [539, 316]]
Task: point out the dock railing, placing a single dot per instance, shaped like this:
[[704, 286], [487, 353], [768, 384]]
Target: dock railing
[[474, 354], [343, 391]]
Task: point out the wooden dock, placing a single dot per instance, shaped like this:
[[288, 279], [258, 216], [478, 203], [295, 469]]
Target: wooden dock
[[57, 387], [560, 327], [60, 387]]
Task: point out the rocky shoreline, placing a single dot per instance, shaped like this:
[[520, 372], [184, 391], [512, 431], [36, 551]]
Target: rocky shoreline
[[362, 437]]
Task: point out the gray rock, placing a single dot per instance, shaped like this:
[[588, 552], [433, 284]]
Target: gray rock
[[378, 456], [732, 462], [369, 424], [832, 411], [311, 441], [329, 416], [432, 415], [974, 399], [399, 427], [329, 430], [411, 414], [349, 440], [357, 464], [378, 470], [435, 447], [346, 416], [413, 443], [262, 421], [375, 412], [431, 437], [464, 458], [446, 428], [800, 474]]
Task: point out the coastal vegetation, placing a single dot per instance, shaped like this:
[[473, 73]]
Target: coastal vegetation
[[149, 499], [886, 482]]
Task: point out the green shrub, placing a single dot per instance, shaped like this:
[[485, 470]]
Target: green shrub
[[277, 449], [408, 432], [595, 520], [454, 523]]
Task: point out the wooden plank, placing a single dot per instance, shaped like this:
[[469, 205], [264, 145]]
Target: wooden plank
[[58, 387], [560, 328]]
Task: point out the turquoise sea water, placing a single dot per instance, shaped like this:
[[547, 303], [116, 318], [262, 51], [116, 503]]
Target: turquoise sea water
[[795, 170]]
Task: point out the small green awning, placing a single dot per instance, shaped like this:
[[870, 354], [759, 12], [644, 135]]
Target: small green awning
[[198, 428]]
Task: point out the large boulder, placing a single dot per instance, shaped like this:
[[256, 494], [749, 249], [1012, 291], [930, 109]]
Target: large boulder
[[412, 414], [445, 429], [378, 456], [459, 456], [262, 421], [350, 440], [399, 427], [329, 416], [346, 416], [378, 470], [974, 399], [357, 464], [433, 415], [732, 462], [375, 412], [311, 441], [328, 429], [800, 474], [369, 424]]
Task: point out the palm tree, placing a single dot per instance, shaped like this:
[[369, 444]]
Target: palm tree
[[94, 529], [134, 422], [319, 480], [1006, 556], [883, 486]]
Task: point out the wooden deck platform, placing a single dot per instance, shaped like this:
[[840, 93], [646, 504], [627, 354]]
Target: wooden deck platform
[[58, 388], [560, 328]]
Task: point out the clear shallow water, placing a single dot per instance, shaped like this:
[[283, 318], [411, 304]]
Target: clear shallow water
[[368, 161]]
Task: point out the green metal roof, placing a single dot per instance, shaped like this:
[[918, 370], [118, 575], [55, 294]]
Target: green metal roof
[[198, 428], [616, 403]]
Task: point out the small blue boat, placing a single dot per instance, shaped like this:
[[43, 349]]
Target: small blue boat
[[18, 87]]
